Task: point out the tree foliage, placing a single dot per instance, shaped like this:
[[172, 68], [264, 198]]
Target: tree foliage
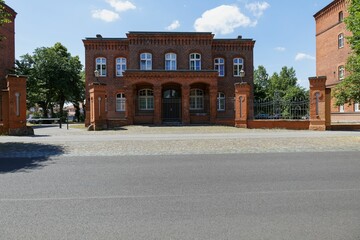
[[284, 84], [348, 90], [5, 17], [54, 77]]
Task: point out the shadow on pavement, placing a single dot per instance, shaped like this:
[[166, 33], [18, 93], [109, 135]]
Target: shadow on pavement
[[16, 157]]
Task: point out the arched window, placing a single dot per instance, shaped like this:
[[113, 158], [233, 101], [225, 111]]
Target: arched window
[[341, 72], [196, 99], [170, 61], [120, 66], [341, 40], [219, 65], [238, 64], [146, 61], [221, 101], [120, 102], [101, 66], [146, 99], [341, 16], [195, 61]]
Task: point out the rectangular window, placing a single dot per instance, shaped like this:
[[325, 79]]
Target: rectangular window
[[341, 108], [101, 66], [170, 61], [357, 107], [341, 73], [219, 66], [341, 40], [120, 66], [146, 61]]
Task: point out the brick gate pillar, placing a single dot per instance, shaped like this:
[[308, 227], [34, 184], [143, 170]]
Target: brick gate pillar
[[242, 100], [14, 106], [157, 104], [98, 116], [185, 98], [319, 104]]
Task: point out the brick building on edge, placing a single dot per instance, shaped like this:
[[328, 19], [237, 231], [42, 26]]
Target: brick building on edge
[[164, 77], [332, 51], [12, 87]]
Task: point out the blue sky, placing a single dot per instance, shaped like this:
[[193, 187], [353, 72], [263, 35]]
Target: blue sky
[[284, 30]]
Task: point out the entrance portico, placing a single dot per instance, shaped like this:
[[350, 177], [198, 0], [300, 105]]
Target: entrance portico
[[156, 97]]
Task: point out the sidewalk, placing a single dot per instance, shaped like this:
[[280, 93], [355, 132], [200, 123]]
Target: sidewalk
[[148, 140]]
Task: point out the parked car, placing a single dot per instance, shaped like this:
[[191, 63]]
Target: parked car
[[262, 116]]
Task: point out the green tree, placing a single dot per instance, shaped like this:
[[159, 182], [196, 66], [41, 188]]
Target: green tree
[[261, 82], [54, 77], [285, 85], [4, 16], [348, 90]]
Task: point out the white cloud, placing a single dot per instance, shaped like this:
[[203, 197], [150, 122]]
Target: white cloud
[[174, 25], [121, 6], [105, 15], [257, 8], [223, 19], [303, 56], [280, 49]]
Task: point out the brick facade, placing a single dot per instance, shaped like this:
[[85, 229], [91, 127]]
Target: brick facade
[[12, 87], [7, 47], [182, 95], [330, 58]]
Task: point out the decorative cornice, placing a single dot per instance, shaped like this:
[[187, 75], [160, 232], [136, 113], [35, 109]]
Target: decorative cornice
[[170, 74], [330, 7]]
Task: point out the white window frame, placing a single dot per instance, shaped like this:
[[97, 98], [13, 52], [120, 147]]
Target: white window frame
[[170, 61], [120, 66], [101, 66], [146, 61], [341, 108], [357, 107], [219, 66], [146, 96], [238, 64], [221, 99], [341, 72], [195, 61], [120, 102], [196, 99], [341, 40]]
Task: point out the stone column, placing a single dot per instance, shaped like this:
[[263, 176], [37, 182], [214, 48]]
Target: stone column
[[157, 104], [213, 98], [98, 116], [242, 98], [319, 117], [185, 98]]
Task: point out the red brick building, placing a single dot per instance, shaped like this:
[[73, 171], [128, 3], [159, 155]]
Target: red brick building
[[164, 77], [12, 88], [332, 51]]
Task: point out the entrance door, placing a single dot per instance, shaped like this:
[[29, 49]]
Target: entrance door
[[171, 104]]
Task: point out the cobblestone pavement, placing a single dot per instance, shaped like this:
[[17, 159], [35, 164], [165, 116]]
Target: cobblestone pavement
[[147, 140]]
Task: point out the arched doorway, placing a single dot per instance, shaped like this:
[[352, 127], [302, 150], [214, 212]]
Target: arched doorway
[[171, 104]]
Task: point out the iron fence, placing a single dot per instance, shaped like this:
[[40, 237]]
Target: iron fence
[[279, 108]]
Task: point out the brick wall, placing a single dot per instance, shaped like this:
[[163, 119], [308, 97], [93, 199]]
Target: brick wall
[[7, 47]]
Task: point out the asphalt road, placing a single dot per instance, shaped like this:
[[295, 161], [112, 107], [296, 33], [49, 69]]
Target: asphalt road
[[223, 196]]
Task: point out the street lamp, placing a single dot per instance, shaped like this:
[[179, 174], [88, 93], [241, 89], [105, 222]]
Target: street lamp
[[97, 74], [242, 74]]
